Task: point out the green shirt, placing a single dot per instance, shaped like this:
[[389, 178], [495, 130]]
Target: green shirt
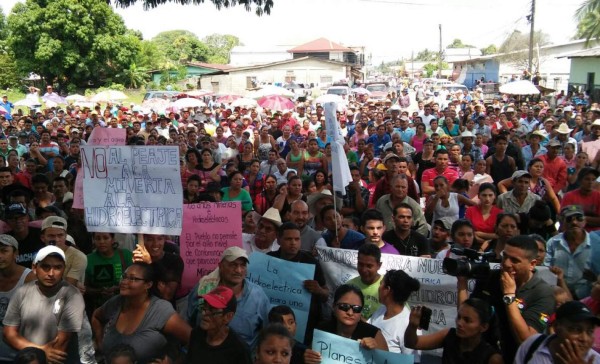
[[371, 293]]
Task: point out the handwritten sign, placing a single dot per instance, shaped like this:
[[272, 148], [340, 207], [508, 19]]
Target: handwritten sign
[[283, 282], [208, 229], [438, 290], [132, 189], [337, 349], [107, 136], [99, 136]]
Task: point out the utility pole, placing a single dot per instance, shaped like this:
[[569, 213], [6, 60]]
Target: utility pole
[[440, 56], [531, 34], [412, 60]]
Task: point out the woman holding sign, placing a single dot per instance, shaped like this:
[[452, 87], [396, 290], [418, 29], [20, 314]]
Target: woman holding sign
[[463, 344], [348, 302]]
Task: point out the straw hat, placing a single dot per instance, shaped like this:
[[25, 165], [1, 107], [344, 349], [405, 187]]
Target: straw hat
[[314, 197], [563, 129], [272, 214]]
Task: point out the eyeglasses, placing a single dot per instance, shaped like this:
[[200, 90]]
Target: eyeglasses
[[346, 306], [209, 312], [578, 218], [125, 277]]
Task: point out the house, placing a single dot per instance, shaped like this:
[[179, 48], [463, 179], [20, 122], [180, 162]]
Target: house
[[585, 71], [193, 71], [305, 70], [323, 48], [549, 60], [252, 55]]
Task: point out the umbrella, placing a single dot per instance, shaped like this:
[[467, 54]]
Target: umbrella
[[54, 98], [27, 103], [76, 97], [323, 99], [244, 102], [3, 111], [269, 90], [188, 102], [198, 93], [522, 87], [109, 95], [227, 99], [156, 104], [50, 104], [276, 102], [361, 91]]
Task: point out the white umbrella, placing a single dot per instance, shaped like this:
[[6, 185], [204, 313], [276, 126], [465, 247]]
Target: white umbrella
[[26, 102], [50, 103], [522, 87], [156, 104], [54, 98], [269, 90], [188, 102], [244, 102], [361, 91], [198, 93], [109, 95], [323, 99], [76, 97]]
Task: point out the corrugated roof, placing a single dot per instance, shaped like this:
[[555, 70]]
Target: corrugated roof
[[219, 67], [320, 45], [592, 52]]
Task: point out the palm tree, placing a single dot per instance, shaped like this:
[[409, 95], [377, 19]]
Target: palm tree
[[134, 76], [588, 16]]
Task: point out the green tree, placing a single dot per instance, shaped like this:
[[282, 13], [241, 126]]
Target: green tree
[[181, 46], [515, 48], [133, 77], [588, 16], [457, 43], [491, 49], [9, 76], [220, 46], [80, 43], [426, 55], [262, 6], [150, 56], [432, 68]]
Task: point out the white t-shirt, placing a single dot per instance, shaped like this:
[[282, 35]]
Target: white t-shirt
[[393, 330]]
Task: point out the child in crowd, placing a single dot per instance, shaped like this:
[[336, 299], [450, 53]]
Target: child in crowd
[[285, 316]]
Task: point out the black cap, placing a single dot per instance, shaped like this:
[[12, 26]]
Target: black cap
[[15, 210], [576, 311]]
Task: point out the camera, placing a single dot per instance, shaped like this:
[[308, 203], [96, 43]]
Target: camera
[[474, 266]]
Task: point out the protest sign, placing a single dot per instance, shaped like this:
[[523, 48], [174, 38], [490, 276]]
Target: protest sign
[[283, 282], [438, 290], [337, 349], [99, 136], [208, 229], [132, 189]]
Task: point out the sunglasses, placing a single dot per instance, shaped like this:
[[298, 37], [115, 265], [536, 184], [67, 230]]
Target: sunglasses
[[578, 218], [346, 306]]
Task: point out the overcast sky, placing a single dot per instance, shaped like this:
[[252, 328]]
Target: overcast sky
[[390, 29]]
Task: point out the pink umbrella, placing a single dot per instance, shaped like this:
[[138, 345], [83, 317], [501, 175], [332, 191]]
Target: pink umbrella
[[276, 102], [227, 99]]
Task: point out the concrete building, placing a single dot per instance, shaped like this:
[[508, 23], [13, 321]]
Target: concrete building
[[585, 72], [253, 55]]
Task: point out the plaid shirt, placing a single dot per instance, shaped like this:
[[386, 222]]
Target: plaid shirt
[[349, 200]]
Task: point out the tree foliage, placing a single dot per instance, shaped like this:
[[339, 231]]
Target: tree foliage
[[181, 46], [432, 68], [588, 16], [81, 43], [260, 6], [426, 55], [515, 47], [220, 46], [491, 49], [457, 43]]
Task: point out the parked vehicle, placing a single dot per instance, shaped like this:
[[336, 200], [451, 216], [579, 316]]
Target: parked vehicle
[[339, 90], [379, 91], [454, 87], [168, 95]]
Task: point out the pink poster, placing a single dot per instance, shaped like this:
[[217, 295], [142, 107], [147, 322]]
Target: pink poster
[[99, 136], [208, 229]]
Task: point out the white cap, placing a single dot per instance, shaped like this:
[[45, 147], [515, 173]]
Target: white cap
[[46, 251]]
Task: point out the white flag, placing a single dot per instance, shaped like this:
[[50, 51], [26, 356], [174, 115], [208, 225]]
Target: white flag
[[341, 171]]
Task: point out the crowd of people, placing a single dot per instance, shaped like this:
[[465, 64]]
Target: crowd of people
[[515, 180]]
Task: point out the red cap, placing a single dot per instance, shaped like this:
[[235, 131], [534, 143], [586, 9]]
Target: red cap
[[219, 297]]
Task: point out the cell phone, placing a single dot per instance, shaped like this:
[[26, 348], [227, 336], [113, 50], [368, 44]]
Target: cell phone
[[425, 318]]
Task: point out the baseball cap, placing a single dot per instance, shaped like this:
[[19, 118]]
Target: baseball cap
[[9, 241], [54, 222], [220, 297], [15, 210], [576, 311], [390, 156], [444, 222], [571, 210], [519, 174], [553, 143], [46, 251], [234, 252]]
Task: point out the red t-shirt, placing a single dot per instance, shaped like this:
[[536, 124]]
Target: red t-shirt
[[430, 174], [589, 203], [474, 215]]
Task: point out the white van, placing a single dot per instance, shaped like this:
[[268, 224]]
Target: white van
[[339, 90]]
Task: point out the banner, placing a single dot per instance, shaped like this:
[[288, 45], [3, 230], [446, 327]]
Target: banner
[[132, 189], [337, 349], [340, 174], [283, 282], [438, 290], [99, 136], [208, 229]]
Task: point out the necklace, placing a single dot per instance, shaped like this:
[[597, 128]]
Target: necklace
[[404, 243]]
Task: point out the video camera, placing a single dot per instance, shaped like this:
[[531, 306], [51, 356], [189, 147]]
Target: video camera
[[474, 266]]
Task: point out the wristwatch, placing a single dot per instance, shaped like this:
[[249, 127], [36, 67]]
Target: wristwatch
[[508, 299]]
